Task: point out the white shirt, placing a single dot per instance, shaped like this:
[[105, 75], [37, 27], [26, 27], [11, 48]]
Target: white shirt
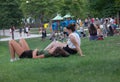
[[77, 38], [81, 29], [27, 29]]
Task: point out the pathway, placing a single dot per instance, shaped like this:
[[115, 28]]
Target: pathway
[[16, 35]]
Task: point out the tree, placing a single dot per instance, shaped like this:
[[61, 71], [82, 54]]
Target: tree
[[117, 7], [10, 13], [103, 8], [47, 9]]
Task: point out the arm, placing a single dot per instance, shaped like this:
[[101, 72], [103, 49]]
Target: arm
[[98, 32], [39, 56], [76, 45]]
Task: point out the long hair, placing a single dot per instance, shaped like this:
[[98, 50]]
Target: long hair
[[59, 52], [92, 29]]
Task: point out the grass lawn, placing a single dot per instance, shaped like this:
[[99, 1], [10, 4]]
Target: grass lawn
[[3, 36], [101, 64], [36, 30]]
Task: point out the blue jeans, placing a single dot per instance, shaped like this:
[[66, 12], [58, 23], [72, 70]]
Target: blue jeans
[[93, 37]]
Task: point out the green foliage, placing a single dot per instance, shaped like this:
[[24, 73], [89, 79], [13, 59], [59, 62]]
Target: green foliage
[[47, 9], [117, 5], [101, 64], [10, 13], [104, 8]]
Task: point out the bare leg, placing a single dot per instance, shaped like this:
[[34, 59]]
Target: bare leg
[[50, 46], [52, 50], [15, 47], [24, 44], [55, 44], [12, 51]]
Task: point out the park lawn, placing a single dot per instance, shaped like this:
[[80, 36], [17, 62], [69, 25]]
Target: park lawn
[[1, 36], [101, 64], [36, 30]]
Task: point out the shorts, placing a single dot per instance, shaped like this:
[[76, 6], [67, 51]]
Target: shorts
[[43, 35], [26, 54], [69, 50], [46, 53]]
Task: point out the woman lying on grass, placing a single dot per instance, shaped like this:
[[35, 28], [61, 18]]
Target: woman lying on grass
[[73, 44], [23, 51]]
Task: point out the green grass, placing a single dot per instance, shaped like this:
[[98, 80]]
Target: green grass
[[1, 36], [101, 64], [36, 30]]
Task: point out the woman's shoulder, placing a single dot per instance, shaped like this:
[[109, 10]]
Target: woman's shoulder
[[74, 34], [71, 35]]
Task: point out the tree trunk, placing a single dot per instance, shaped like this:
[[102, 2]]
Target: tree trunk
[[118, 18], [3, 32]]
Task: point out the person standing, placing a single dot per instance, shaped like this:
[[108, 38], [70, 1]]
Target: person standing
[[27, 30], [43, 33], [106, 27], [12, 29], [20, 31]]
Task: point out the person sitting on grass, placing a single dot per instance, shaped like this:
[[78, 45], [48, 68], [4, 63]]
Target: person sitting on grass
[[73, 44], [92, 32], [23, 51], [99, 32]]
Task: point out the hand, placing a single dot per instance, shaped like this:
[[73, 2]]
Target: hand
[[35, 53]]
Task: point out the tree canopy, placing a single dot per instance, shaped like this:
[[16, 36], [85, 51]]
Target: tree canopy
[[104, 8], [12, 11], [47, 9]]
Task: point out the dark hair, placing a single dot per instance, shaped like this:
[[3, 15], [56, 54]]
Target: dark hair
[[92, 29], [71, 27], [98, 26], [60, 52]]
